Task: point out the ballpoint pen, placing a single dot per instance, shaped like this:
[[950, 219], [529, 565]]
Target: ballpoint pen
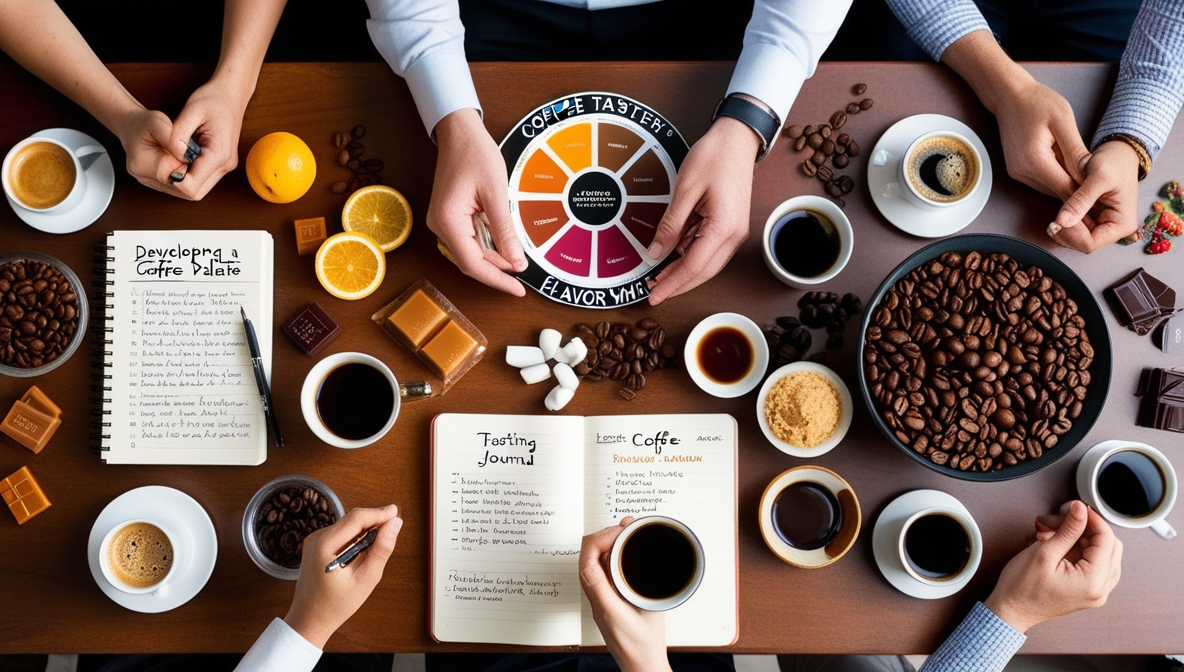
[[261, 380], [353, 549]]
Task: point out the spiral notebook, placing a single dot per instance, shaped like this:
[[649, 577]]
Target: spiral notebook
[[178, 386]]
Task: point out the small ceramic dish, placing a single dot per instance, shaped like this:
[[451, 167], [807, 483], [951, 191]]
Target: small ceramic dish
[[848, 529], [844, 414], [760, 355]]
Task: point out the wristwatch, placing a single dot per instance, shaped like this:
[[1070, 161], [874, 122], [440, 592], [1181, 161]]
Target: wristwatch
[[761, 121]]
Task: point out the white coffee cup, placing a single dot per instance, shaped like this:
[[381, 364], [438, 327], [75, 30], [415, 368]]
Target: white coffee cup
[[1090, 468], [77, 192], [972, 533], [159, 589], [628, 592], [910, 190], [821, 206], [312, 386]]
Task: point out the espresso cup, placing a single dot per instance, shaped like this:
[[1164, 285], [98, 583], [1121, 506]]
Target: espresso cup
[[936, 162], [807, 241], [939, 545], [656, 563], [1130, 484], [43, 175], [137, 557], [809, 517], [351, 399]]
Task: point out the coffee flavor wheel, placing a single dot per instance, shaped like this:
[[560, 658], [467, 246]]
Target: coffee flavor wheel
[[591, 175]]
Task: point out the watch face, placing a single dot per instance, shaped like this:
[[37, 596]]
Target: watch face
[[591, 175]]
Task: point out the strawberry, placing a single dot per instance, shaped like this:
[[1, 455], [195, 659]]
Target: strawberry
[[1158, 246]]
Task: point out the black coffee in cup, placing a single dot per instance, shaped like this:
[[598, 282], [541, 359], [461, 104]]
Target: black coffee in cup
[[937, 546], [355, 401], [1131, 483], [658, 561], [807, 515], [805, 243]]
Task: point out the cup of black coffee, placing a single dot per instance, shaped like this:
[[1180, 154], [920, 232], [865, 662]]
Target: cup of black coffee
[[940, 545], [939, 170], [809, 516], [1130, 484], [807, 241], [351, 399], [656, 563]]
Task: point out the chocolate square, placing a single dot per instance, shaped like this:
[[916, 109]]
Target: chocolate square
[[311, 329], [1140, 301]]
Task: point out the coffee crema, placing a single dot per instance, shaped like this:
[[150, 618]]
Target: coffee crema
[[41, 175], [942, 169], [140, 555], [937, 546], [658, 561], [355, 401]]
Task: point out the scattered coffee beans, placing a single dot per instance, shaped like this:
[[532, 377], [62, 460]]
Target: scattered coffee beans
[[625, 353], [38, 314], [828, 146], [290, 515], [789, 337], [365, 171], [977, 362]]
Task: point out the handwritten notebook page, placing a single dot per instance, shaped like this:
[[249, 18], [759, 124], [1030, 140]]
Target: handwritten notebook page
[[182, 387], [507, 526], [684, 467]]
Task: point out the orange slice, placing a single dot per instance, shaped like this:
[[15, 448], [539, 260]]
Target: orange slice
[[380, 212], [350, 265]]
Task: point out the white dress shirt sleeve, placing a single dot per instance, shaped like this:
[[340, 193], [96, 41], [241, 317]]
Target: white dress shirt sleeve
[[782, 45], [424, 42], [280, 649]]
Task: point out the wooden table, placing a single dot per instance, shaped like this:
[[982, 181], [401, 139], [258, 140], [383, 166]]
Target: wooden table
[[53, 605]]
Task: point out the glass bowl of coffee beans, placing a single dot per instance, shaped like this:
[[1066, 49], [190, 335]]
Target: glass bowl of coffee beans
[[280, 516], [43, 314], [984, 357]]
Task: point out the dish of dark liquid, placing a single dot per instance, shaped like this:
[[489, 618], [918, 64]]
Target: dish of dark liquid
[[807, 515], [355, 401], [805, 243], [725, 354], [1130, 483], [937, 546], [658, 561]]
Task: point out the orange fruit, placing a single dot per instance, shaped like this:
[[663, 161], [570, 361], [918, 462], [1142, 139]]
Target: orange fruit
[[350, 265], [380, 212], [280, 167]]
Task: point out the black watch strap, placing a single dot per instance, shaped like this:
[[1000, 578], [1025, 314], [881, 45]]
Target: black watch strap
[[761, 121]]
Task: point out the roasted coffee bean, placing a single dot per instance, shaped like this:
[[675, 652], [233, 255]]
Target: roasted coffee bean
[[37, 313], [840, 161], [800, 143], [838, 119], [815, 140], [358, 132], [853, 108], [339, 187], [339, 140], [858, 89], [287, 518], [793, 131], [866, 104], [809, 168], [853, 149], [343, 157]]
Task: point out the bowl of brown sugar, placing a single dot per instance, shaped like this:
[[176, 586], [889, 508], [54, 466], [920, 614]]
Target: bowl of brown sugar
[[804, 409]]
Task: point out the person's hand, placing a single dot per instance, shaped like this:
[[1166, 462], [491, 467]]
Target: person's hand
[[145, 136], [1073, 565], [635, 638], [1041, 144], [1105, 208], [471, 179], [325, 600], [712, 197], [214, 114]]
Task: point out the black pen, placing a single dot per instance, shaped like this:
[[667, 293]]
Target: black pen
[[261, 380], [353, 550]]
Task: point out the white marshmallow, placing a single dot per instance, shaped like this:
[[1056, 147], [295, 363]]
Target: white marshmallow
[[574, 352], [558, 398], [549, 342], [566, 377], [535, 374], [524, 355]]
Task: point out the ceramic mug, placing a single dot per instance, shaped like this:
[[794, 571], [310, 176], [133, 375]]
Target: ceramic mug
[[77, 191], [161, 587], [312, 387], [1089, 469], [943, 563], [909, 190], [828, 210], [626, 564]]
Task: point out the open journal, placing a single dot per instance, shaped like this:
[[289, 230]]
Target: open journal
[[513, 495], [179, 387]]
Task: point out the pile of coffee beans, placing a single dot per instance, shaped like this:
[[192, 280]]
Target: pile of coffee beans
[[625, 353], [38, 314], [829, 149], [978, 362], [287, 517], [350, 150], [789, 337]]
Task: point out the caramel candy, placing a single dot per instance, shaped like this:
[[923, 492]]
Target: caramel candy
[[311, 329], [418, 318], [310, 233], [448, 349], [29, 427], [40, 401], [23, 495]]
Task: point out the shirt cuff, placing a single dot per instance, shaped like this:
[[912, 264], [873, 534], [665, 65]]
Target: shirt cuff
[[280, 649], [1142, 109], [771, 75], [983, 642], [934, 26]]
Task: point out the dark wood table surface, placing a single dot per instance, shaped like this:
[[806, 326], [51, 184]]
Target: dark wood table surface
[[51, 602]]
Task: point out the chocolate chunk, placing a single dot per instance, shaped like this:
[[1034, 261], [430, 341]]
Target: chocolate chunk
[[1140, 301], [311, 329]]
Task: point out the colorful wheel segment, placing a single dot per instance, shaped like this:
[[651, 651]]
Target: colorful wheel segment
[[590, 177]]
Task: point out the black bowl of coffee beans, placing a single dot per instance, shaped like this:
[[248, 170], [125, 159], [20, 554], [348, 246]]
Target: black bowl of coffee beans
[[281, 515], [43, 314], [984, 357]]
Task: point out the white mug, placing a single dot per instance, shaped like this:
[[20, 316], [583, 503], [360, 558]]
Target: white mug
[[1090, 467], [77, 192], [312, 385], [910, 191], [158, 589], [633, 597], [972, 533], [824, 207]]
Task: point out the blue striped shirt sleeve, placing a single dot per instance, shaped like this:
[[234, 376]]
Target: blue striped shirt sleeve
[[936, 24], [1150, 87], [983, 642]]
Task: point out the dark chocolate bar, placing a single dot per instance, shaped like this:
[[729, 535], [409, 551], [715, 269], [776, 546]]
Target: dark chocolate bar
[[311, 329], [1140, 301], [1163, 400]]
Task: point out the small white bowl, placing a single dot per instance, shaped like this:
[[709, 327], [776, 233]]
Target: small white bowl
[[760, 355], [844, 413], [828, 209]]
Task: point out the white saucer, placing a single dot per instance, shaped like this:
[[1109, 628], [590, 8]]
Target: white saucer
[[887, 532], [198, 544], [886, 192], [100, 187]]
